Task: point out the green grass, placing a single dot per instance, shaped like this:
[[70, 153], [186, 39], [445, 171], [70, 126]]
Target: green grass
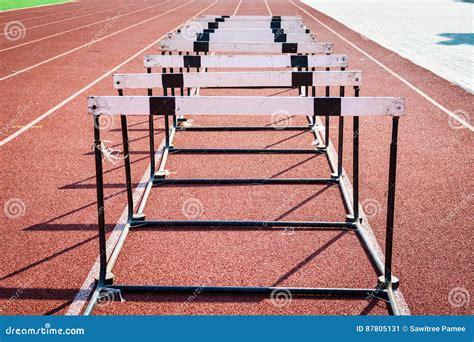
[[11, 4]]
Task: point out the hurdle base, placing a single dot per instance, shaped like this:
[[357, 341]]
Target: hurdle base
[[244, 225], [350, 218], [303, 291], [241, 151], [395, 282], [139, 217], [109, 278]]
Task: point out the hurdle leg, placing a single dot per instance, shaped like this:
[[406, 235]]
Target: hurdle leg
[[391, 204], [151, 128], [100, 202], [340, 146], [188, 70], [167, 132], [175, 121], [326, 124], [355, 163], [181, 71]]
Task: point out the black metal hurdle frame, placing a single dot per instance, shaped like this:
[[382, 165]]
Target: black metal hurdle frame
[[387, 283]]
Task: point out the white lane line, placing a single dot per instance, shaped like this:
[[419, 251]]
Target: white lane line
[[73, 18], [73, 96], [89, 283], [237, 8], [81, 27], [91, 42], [48, 15], [393, 73], [268, 8]]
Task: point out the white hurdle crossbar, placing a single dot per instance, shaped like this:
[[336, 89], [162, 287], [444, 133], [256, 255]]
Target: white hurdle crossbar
[[244, 105], [188, 45], [246, 61], [238, 36], [245, 24], [263, 79], [251, 17]]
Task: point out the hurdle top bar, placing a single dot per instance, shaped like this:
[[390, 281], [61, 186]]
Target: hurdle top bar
[[246, 61], [187, 45], [248, 19], [266, 79], [256, 17], [245, 105], [236, 36], [245, 24], [191, 30]]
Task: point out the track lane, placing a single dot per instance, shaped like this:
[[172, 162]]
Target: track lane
[[51, 12], [106, 22], [89, 37], [433, 220], [57, 229], [64, 233], [24, 115], [31, 27]]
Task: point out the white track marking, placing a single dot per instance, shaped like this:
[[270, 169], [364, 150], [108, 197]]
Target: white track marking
[[80, 27], [393, 73], [88, 286], [73, 96], [237, 8], [268, 8], [74, 18], [91, 42]]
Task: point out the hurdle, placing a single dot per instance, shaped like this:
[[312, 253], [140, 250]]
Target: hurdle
[[202, 44], [182, 45], [249, 17], [246, 61], [266, 36], [316, 55], [247, 24], [303, 106], [242, 80]]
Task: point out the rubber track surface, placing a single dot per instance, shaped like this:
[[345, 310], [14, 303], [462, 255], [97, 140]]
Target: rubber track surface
[[47, 252]]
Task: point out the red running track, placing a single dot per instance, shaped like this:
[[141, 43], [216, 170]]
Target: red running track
[[48, 251]]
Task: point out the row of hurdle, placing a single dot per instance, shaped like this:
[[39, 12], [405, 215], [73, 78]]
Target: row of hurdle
[[196, 57]]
